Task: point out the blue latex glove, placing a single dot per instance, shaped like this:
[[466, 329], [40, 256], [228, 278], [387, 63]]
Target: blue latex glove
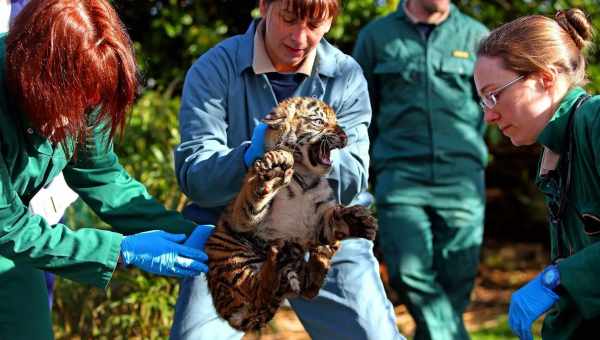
[[159, 252], [199, 236], [257, 145], [527, 304]]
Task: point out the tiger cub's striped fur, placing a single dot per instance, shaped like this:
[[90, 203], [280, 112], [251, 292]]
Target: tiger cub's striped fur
[[276, 238]]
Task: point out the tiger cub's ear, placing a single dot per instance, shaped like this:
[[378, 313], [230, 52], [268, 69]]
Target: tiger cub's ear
[[274, 119], [280, 130]]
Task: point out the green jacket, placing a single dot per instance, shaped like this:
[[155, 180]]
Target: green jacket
[[579, 304], [28, 162], [427, 126]]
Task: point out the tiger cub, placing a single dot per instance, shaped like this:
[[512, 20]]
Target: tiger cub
[[276, 238]]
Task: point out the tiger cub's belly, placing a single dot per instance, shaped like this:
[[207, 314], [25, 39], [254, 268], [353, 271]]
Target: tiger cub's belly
[[296, 213]]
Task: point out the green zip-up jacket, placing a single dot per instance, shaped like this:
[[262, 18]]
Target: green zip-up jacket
[[28, 162], [578, 308], [427, 126]]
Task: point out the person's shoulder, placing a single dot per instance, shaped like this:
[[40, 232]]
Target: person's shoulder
[[344, 63], [377, 24], [469, 23], [226, 49], [223, 55], [589, 113], [591, 108]]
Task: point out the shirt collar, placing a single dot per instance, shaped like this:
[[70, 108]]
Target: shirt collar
[[261, 62], [553, 134]]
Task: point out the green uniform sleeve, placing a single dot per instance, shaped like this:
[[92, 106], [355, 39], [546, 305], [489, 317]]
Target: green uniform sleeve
[[86, 255], [578, 276], [119, 200], [579, 272]]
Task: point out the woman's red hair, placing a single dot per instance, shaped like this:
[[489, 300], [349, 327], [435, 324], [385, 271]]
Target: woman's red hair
[[65, 58]]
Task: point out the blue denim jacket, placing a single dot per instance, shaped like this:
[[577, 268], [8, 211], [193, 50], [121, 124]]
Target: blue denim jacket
[[223, 100]]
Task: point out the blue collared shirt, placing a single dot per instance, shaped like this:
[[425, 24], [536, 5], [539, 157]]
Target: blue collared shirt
[[223, 100]]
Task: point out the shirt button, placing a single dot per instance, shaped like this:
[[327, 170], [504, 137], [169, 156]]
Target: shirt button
[[30, 131]]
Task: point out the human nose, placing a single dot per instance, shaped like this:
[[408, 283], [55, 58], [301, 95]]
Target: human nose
[[300, 33], [490, 116]]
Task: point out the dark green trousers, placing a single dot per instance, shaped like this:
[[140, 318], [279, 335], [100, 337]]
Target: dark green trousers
[[24, 312], [432, 254]]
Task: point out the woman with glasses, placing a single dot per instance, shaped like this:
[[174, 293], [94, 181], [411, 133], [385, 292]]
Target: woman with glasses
[[528, 75]]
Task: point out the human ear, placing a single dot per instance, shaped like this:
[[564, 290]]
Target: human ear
[[263, 7], [548, 78]]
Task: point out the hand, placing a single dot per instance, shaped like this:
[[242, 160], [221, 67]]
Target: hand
[[527, 304], [257, 145], [199, 236], [159, 252]]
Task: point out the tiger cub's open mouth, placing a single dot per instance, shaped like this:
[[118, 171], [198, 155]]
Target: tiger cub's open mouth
[[320, 153]]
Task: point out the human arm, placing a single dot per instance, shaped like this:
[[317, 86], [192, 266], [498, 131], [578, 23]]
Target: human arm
[[349, 174], [86, 255], [365, 54], [579, 271], [96, 175], [208, 170]]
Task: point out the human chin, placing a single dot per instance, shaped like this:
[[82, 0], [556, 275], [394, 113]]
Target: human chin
[[436, 6], [520, 140], [294, 61]]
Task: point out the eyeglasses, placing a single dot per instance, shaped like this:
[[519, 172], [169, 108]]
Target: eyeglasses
[[489, 100]]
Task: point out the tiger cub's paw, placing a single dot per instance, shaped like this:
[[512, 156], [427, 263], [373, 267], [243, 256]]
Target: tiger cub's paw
[[359, 222], [293, 281], [274, 170], [323, 252]]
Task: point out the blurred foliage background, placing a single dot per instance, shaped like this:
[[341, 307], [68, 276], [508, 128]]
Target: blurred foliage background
[[168, 36]]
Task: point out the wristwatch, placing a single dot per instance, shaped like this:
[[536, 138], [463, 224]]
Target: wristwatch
[[551, 277]]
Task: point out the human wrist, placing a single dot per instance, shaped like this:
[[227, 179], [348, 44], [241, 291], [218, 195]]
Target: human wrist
[[247, 157], [550, 277], [125, 253]]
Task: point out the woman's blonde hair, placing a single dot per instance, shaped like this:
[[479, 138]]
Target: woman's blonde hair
[[536, 43]]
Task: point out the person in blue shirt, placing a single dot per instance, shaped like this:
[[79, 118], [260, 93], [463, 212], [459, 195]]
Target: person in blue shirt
[[226, 93]]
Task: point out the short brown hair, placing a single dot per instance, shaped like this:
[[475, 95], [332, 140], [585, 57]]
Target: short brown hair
[[535, 43], [322, 9], [67, 57]]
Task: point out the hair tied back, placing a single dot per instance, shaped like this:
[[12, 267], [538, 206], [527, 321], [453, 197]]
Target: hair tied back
[[575, 22]]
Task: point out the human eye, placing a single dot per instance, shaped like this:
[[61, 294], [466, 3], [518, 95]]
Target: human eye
[[315, 24], [288, 18]]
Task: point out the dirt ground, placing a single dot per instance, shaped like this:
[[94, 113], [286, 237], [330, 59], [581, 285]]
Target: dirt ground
[[504, 268]]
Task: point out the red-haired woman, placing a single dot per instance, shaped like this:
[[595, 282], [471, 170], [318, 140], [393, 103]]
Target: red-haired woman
[[68, 77]]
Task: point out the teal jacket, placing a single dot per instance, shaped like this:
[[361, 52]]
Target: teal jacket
[[427, 126], [223, 100], [28, 162], [578, 309]]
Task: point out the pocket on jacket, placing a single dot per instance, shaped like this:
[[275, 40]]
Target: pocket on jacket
[[591, 224]]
